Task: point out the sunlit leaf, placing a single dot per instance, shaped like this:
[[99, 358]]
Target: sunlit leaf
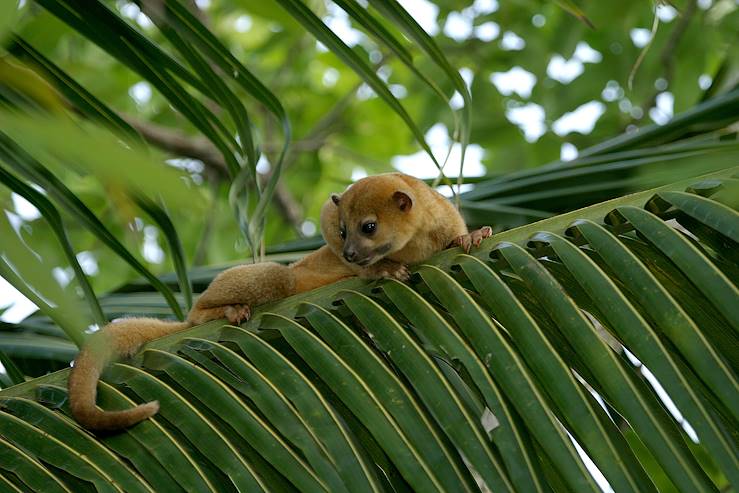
[[33, 277], [50, 213], [29, 84], [63, 143]]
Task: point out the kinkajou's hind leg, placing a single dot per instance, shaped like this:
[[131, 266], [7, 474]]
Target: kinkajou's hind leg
[[233, 293], [235, 314]]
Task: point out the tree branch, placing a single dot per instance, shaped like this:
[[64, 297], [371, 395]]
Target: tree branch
[[215, 166], [202, 149], [180, 144]]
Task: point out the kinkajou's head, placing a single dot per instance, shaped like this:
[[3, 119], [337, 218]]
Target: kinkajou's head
[[372, 219]]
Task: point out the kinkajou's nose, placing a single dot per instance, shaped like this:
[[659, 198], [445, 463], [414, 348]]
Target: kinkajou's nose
[[350, 255]]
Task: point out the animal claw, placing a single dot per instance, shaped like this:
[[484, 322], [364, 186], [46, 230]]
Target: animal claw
[[402, 273], [465, 242], [237, 313], [474, 238], [399, 272]]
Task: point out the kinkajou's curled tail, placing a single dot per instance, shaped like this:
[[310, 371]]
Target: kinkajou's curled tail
[[231, 295], [117, 340]]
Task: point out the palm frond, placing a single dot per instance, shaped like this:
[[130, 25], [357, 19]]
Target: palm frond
[[486, 368]]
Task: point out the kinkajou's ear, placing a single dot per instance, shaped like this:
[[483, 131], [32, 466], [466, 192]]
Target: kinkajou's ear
[[403, 200], [335, 197]]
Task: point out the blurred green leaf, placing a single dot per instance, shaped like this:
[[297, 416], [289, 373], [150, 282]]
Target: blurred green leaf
[[50, 213], [25, 165], [9, 14], [14, 375], [28, 84], [60, 143], [159, 215], [75, 94], [572, 8], [33, 277]]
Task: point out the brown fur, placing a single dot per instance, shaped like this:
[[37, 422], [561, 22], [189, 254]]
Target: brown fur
[[430, 224], [413, 222]]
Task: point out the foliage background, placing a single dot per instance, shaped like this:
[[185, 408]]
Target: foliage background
[[343, 131], [545, 86]]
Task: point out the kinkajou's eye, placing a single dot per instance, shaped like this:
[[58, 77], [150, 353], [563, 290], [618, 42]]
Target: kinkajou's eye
[[342, 233], [369, 228]]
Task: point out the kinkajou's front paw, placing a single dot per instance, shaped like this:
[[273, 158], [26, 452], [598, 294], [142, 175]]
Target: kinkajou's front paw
[[473, 238], [386, 269], [399, 272]]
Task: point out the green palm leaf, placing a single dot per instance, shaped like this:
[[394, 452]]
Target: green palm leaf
[[483, 367], [312, 23]]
